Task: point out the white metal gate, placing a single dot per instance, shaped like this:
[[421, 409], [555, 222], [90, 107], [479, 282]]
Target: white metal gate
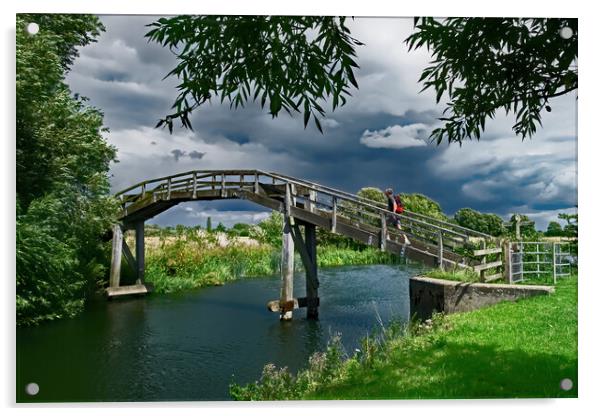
[[539, 259]]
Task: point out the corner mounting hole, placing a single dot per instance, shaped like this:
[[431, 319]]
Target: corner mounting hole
[[566, 384], [32, 28], [566, 33], [32, 389]]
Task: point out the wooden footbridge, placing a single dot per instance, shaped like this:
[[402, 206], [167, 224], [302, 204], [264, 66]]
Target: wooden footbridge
[[305, 205]]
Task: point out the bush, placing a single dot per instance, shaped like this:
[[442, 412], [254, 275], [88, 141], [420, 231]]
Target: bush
[[60, 255], [279, 384], [421, 204]]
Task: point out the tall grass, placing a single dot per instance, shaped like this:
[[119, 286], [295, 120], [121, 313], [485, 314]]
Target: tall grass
[[183, 264], [187, 261], [335, 256]]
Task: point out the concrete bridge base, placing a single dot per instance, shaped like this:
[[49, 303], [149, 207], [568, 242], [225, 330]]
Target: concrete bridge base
[[429, 295]]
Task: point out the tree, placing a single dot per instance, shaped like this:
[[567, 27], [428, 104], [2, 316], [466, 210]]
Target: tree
[[271, 229], [571, 228], [488, 64], [293, 61], [240, 229], [209, 224], [554, 229], [486, 223], [63, 205]]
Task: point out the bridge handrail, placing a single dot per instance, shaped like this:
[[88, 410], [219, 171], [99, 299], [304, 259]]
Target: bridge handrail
[[191, 172], [373, 204]]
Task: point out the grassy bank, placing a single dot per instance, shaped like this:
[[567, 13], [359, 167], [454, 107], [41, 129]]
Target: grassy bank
[[513, 349], [186, 262]]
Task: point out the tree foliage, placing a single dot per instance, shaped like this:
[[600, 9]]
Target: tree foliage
[[571, 228], [486, 223], [422, 204], [291, 63], [554, 229], [63, 207], [490, 64], [373, 194]]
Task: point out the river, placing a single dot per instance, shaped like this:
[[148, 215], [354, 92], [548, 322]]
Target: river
[[192, 345]]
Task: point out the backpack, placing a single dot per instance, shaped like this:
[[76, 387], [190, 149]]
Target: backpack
[[398, 205]]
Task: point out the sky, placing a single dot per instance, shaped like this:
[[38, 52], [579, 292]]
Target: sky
[[380, 138]]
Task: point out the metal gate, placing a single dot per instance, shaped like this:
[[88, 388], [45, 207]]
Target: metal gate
[[539, 260]]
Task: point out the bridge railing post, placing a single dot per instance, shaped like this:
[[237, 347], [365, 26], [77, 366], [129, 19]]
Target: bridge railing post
[[310, 202], [440, 253], [194, 185], [223, 192], [168, 188], [383, 232], [333, 222], [287, 200]]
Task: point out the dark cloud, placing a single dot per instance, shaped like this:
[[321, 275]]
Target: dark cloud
[[177, 154], [196, 155]]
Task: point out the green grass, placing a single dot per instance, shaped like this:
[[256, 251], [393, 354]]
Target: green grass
[[517, 349], [330, 256], [513, 349]]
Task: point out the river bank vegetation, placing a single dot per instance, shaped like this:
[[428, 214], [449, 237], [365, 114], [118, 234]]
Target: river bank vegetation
[[186, 258], [509, 350], [63, 205]]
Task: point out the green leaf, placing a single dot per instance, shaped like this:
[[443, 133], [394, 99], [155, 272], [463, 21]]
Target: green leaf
[[318, 125]]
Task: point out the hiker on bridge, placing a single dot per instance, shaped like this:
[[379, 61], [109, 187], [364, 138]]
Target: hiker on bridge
[[393, 207], [396, 206]]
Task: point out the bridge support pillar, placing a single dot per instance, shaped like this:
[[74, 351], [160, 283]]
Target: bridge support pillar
[[311, 272], [287, 272], [140, 251], [115, 275]]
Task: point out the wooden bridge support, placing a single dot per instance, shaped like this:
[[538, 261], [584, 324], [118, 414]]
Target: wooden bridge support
[[293, 239], [140, 252], [287, 272], [311, 272], [121, 249], [115, 275]]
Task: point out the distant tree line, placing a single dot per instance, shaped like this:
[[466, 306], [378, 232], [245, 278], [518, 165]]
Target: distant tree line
[[487, 223]]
